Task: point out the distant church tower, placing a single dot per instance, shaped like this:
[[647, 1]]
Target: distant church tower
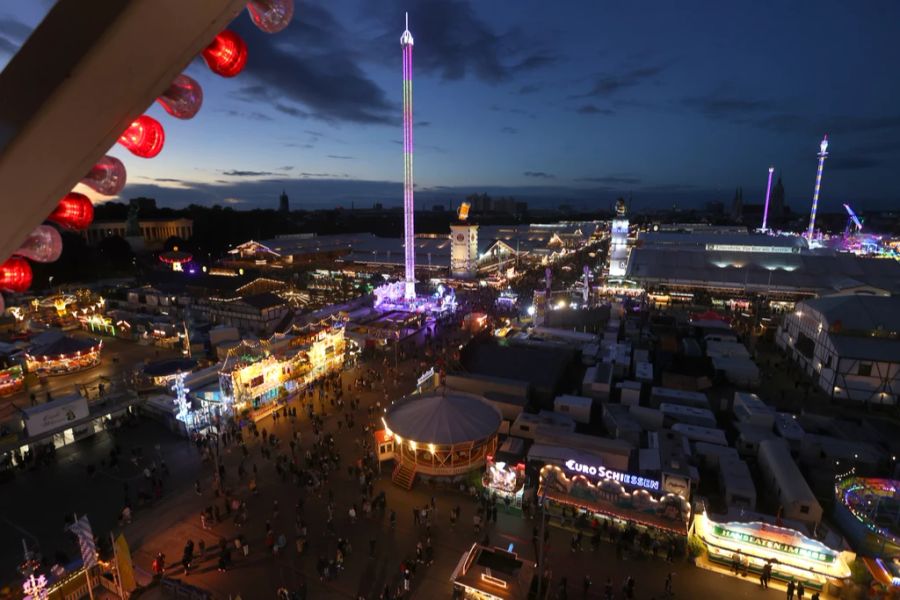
[[737, 205], [283, 205], [777, 204]]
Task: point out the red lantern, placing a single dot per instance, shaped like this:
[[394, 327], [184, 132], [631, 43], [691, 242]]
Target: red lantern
[[74, 212], [144, 137], [107, 177], [226, 55], [183, 98], [15, 275]]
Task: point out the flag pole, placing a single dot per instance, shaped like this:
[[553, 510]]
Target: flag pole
[[87, 574]]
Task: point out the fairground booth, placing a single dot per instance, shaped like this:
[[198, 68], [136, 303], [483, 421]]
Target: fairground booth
[[12, 379], [868, 512], [792, 554], [255, 373], [445, 434], [56, 354], [604, 494], [504, 473], [488, 573]]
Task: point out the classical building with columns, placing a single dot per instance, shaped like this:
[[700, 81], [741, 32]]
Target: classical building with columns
[[153, 231]]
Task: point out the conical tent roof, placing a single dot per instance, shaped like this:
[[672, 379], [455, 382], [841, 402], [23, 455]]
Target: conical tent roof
[[446, 419]]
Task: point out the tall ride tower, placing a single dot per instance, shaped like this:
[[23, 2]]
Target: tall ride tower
[[409, 232], [768, 195], [823, 154]]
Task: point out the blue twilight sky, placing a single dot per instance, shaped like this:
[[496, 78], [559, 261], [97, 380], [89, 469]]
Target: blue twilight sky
[[573, 101]]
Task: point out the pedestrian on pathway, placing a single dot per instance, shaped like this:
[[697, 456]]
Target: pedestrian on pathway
[[587, 585], [790, 590], [800, 590]]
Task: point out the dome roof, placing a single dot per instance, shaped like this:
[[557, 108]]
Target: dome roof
[[443, 419]]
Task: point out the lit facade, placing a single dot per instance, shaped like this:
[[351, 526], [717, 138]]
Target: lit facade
[[849, 345], [254, 375], [618, 244], [609, 494], [463, 250], [791, 554]]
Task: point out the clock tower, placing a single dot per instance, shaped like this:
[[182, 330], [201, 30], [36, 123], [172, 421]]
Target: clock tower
[[463, 247]]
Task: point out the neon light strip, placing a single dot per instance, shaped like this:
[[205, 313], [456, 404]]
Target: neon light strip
[[768, 194], [408, 200], [823, 154]]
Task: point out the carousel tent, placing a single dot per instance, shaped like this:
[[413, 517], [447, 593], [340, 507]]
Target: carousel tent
[[60, 345], [447, 419]]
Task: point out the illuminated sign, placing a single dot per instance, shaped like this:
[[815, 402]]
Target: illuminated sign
[[424, 377], [602, 472], [764, 542], [749, 248]]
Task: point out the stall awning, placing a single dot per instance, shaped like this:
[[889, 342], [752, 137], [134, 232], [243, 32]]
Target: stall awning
[[604, 508]]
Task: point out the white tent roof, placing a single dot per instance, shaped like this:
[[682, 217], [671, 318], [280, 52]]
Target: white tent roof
[[443, 419]]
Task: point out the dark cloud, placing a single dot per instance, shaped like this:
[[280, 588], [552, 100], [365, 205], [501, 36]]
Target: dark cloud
[[423, 123], [323, 190], [606, 85], [249, 115], [297, 145], [509, 130], [12, 34], [461, 44], [293, 111], [512, 110], [530, 88], [853, 163], [13, 29], [538, 175], [165, 180], [721, 106], [237, 173], [612, 179], [340, 157], [287, 168], [591, 109], [310, 70]]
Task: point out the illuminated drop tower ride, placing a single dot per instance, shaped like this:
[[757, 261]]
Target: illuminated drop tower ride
[[409, 232], [823, 154]]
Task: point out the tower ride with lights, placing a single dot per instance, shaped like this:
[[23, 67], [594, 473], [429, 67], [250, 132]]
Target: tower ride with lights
[[401, 295], [768, 195], [409, 233], [823, 154]]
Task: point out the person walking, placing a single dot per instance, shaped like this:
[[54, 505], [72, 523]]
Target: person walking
[[800, 590], [586, 587], [790, 590]]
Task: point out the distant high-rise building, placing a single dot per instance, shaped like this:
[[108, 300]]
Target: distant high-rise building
[[283, 204]]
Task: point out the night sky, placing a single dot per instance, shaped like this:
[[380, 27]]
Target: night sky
[[570, 101]]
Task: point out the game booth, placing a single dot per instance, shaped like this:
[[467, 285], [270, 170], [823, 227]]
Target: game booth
[[792, 554], [622, 499]]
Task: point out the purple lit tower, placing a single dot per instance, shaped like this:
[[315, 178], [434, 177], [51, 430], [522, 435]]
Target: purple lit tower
[[823, 154], [409, 232]]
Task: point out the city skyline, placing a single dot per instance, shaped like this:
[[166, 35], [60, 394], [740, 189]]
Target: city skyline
[[576, 106]]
